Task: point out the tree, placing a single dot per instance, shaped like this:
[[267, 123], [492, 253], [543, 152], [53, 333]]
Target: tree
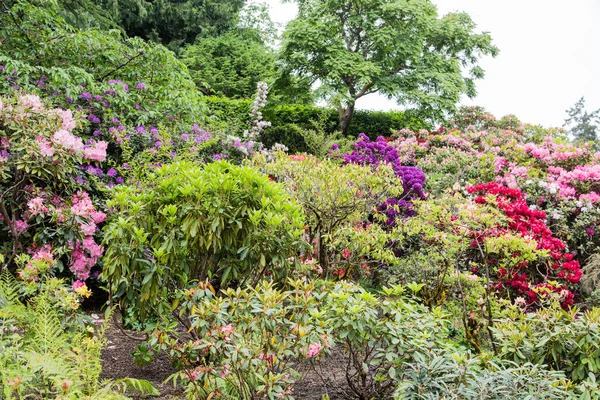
[[399, 48], [171, 22], [229, 65], [583, 126]]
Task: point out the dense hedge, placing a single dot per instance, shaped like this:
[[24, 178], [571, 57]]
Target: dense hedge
[[287, 118]]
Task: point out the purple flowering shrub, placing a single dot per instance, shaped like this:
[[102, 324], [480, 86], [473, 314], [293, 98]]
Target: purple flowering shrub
[[373, 153]]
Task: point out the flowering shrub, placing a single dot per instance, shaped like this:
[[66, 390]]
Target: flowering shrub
[[530, 224], [247, 343], [413, 179], [41, 156], [219, 221]]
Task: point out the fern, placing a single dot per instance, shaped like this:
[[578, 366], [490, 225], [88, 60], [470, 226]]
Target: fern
[[47, 333], [9, 290]]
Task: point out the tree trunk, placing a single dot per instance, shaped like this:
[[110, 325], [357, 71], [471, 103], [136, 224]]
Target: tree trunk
[[346, 115]]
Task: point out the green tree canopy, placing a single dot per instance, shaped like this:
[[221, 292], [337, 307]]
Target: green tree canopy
[[169, 22], [229, 65], [399, 48]]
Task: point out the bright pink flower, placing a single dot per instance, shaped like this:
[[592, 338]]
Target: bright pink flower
[[21, 226], [346, 253]]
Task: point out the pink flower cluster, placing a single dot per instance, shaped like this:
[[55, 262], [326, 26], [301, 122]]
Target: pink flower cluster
[[552, 153], [313, 350], [85, 253]]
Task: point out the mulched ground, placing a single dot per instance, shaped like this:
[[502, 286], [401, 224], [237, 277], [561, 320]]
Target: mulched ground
[[117, 363]]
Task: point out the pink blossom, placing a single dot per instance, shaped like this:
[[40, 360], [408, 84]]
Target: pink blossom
[[98, 152], [313, 350], [31, 101], [44, 253], [68, 141], [45, 146], [227, 329], [68, 123], [98, 216], [88, 229], [21, 226], [226, 371], [36, 206], [78, 284], [82, 205]]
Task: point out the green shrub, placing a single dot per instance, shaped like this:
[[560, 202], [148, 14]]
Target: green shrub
[[219, 221], [380, 335], [373, 123], [333, 196], [290, 135], [245, 343], [442, 375], [566, 341]]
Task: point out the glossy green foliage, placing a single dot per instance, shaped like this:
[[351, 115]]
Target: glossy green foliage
[[380, 334], [247, 343], [566, 341], [224, 222], [438, 375]]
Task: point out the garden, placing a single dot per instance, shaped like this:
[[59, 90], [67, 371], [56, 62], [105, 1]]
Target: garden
[[179, 219]]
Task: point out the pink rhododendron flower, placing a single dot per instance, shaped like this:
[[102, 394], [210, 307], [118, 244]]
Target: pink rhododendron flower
[[88, 229], [36, 206], [21, 226], [313, 350], [98, 217], [31, 101], [68, 141], [96, 153], [68, 123], [45, 147]]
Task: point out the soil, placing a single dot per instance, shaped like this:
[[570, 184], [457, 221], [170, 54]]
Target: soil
[[323, 378]]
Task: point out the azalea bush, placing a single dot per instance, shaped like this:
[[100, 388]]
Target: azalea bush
[[554, 273], [42, 209], [413, 179], [189, 222]]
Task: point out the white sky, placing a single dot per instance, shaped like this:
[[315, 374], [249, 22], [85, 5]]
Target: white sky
[[549, 56]]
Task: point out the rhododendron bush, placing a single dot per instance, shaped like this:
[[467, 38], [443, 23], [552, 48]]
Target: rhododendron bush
[[43, 210]]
